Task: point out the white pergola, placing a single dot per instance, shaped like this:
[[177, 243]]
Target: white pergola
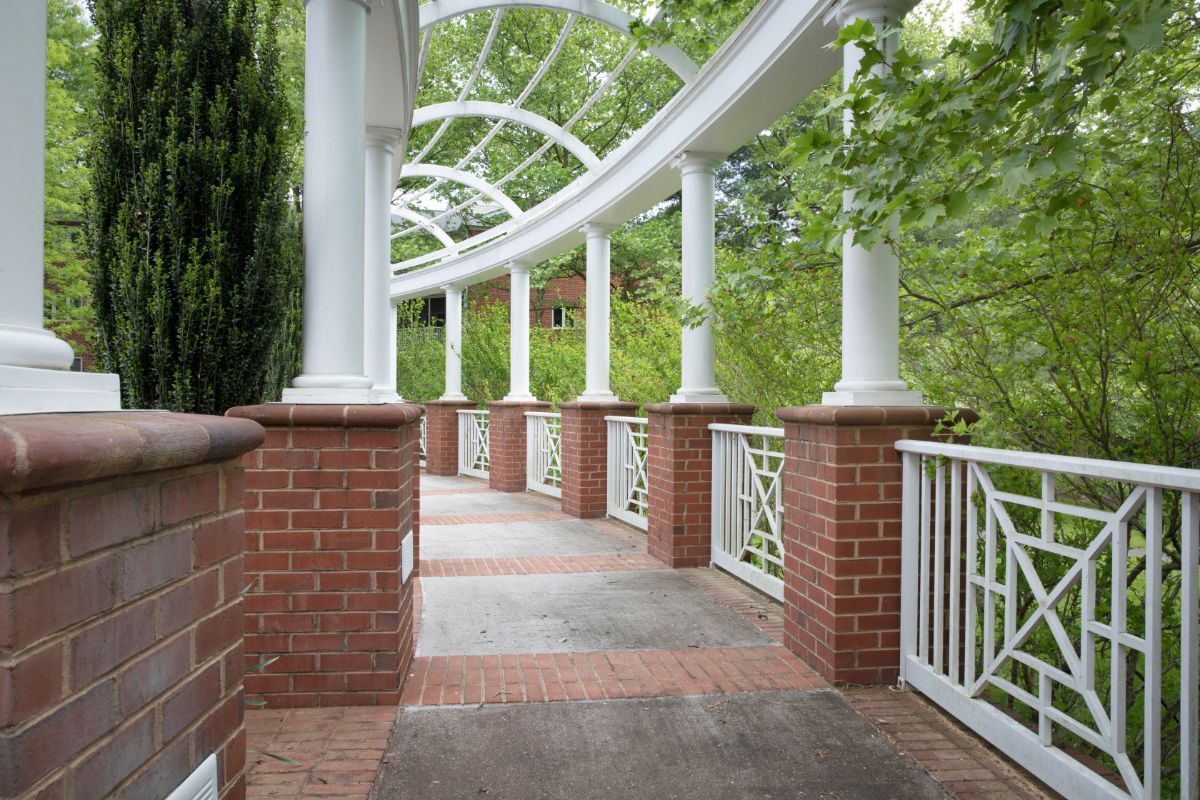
[[364, 59]]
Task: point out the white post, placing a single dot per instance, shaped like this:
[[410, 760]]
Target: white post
[[870, 278], [393, 316], [518, 305], [378, 313], [334, 195], [699, 269], [454, 295], [33, 361], [599, 289]]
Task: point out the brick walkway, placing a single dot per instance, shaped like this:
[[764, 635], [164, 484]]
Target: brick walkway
[[340, 751]]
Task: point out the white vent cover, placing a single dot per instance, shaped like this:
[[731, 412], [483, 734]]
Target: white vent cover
[[200, 785], [406, 558]]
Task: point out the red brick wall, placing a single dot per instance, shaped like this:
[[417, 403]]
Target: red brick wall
[[120, 603], [679, 478], [507, 445], [441, 436], [585, 456], [569, 291], [329, 498], [841, 525]]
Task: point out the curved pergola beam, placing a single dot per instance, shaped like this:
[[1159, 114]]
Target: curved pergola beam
[[427, 225], [466, 179], [480, 108], [440, 10]]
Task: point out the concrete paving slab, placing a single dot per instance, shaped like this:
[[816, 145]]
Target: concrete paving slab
[[652, 610], [451, 482], [532, 538], [478, 503], [763, 746]]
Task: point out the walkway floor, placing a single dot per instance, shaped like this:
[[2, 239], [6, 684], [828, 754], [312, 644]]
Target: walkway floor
[[555, 659]]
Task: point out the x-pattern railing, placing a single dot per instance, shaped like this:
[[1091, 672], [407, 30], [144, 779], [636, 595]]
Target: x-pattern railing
[[543, 449], [747, 518], [1002, 582], [473, 427], [423, 441], [628, 495]]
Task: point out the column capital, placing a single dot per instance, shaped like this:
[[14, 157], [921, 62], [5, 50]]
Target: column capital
[[693, 161], [388, 138], [598, 229], [518, 268], [877, 11], [456, 288]]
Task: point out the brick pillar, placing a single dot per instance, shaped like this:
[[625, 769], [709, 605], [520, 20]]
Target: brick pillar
[[584, 455], [506, 443], [679, 478], [120, 603], [841, 528], [328, 506], [441, 435]]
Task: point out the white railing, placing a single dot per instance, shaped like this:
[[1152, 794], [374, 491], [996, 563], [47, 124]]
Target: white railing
[[1050, 603], [473, 429], [628, 496], [424, 441], [747, 504], [543, 452]]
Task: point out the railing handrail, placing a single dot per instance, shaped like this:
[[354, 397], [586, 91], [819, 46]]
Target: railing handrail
[[630, 420], [1177, 478], [546, 414], [749, 430], [473, 411]]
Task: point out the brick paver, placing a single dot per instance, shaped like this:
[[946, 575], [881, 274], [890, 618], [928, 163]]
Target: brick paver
[[536, 565], [337, 751], [757, 608], [610, 675], [483, 519], [481, 489]]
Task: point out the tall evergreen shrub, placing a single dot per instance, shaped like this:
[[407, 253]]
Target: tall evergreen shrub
[[196, 254]]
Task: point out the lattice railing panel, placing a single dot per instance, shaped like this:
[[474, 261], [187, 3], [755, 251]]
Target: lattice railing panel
[[543, 452], [1051, 604], [473, 427], [628, 495], [747, 518]]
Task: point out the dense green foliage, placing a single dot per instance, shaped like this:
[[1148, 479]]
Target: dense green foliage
[[196, 258]]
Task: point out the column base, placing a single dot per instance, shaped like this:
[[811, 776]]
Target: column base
[[584, 449], [842, 482], [679, 478], [329, 395], [381, 395], [506, 443], [692, 396], [880, 399], [30, 390], [331, 549], [441, 435]]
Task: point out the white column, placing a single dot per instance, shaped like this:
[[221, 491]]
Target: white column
[[518, 309], [599, 289], [334, 193], [454, 295], [378, 313], [33, 361], [870, 278], [699, 269]]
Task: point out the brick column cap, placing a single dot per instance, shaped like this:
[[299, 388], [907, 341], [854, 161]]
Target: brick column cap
[[873, 415], [297, 415], [40, 451], [451, 403], [533, 404], [701, 409], [598, 405]]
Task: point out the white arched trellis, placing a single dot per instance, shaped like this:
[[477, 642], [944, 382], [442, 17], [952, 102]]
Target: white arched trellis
[[482, 108], [425, 224], [466, 179], [441, 10]]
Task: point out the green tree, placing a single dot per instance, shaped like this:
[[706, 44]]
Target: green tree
[[196, 257]]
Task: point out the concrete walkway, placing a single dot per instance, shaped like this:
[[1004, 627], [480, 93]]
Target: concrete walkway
[[666, 691], [555, 659]]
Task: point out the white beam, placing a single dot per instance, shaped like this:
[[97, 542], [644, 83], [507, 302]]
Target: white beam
[[466, 179], [424, 222], [482, 108]]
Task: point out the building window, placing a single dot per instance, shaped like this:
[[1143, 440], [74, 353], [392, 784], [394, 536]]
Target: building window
[[562, 317]]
